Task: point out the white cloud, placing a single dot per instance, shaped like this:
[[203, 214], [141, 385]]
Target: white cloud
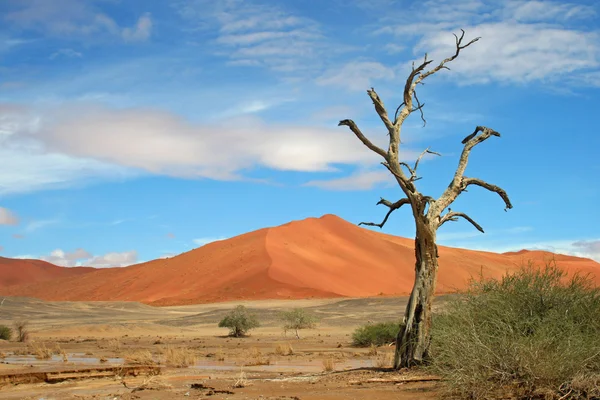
[[37, 225], [73, 18], [69, 53], [362, 180], [251, 34], [81, 257], [163, 143], [7, 217], [356, 75], [522, 41], [141, 31], [206, 240]]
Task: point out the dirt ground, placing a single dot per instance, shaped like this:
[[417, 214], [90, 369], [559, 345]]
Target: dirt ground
[[268, 364]]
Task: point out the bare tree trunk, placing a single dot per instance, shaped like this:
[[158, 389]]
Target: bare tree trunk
[[412, 343]]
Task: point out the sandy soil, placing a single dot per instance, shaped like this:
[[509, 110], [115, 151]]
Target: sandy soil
[[314, 258], [87, 332]]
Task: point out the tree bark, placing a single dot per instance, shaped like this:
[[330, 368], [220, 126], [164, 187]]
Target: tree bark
[[414, 337]]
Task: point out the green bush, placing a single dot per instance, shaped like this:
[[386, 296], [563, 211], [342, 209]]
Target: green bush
[[239, 321], [297, 319], [375, 334], [5, 332], [531, 334]]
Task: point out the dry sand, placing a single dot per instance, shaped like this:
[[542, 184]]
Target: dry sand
[[89, 331]]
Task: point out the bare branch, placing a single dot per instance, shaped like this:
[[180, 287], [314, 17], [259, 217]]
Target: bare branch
[[417, 76], [426, 151], [392, 206], [405, 183], [380, 108], [492, 188], [420, 108], [456, 186], [453, 216], [349, 123]]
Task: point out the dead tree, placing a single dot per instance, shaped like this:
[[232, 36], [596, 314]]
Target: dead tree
[[412, 343]]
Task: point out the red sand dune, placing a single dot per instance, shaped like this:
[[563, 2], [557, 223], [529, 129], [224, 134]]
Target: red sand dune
[[15, 271], [316, 257]]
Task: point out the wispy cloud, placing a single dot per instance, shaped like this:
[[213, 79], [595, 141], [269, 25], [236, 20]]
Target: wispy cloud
[[251, 34], [362, 180], [73, 18], [206, 240], [356, 75], [68, 53], [82, 257], [40, 224], [7, 217], [522, 41]]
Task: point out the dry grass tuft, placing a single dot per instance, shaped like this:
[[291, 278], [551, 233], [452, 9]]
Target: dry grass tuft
[[103, 359], [242, 380], [328, 364], [179, 357], [139, 357], [284, 349], [383, 360], [40, 351], [21, 327], [372, 350], [220, 354], [114, 345], [253, 356]]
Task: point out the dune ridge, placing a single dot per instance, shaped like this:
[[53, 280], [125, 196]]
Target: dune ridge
[[315, 257]]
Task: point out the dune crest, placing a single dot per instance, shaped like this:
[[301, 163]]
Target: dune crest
[[315, 257]]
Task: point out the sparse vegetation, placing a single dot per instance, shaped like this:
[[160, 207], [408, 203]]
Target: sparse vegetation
[[297, 319], [284, 349], [254, 356], [40, 351], [179, 357], [383, 360], [5, 332], [21, 328], [239, 321], [375, 334], [531, 333], [139, 357], [241, 381], [328, 364]]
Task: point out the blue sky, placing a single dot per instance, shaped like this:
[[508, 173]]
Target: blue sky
[[132, 130]]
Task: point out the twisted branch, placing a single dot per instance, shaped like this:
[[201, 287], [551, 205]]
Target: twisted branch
[[453, 216], [392, 206], [492, 188], [350, 124]]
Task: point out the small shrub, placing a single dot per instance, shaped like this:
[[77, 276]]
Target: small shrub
[[220, 354], [297, 319], [328, 364], [375, 334], [531, 333], [179, 357], [284, 349], [40, 351], [5, 332], [239, 321], [253, 356], [114, 345], [241, 381], [372, 350], [21, 327], [139, 357]]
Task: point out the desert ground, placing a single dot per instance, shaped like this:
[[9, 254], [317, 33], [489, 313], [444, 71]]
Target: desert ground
[[93, 334]]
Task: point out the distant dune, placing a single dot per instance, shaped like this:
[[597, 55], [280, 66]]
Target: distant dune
[[15, 271], [315, 257]]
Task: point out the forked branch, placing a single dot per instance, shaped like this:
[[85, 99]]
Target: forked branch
[[392, 207], [413, 170], [457, 185], [453, 216], [417, 76]]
